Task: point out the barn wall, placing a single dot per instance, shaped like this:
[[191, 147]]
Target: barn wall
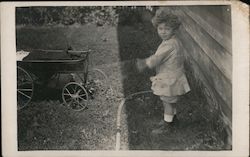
[[206, 37]]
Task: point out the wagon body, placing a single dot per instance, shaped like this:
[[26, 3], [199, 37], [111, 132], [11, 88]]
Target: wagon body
[[43, 64]]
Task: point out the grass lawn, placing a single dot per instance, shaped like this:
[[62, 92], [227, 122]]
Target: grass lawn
[[46, 124]]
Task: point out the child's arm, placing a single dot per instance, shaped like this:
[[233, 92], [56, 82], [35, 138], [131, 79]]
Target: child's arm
[[157, 59], [141, 64]]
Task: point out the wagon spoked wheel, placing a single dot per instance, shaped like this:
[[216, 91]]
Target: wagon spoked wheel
[[25, 87], [75, 96], [97, 80]]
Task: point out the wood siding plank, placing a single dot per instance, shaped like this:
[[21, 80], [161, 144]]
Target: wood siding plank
[[217, 54], [219, 30], [215, 77]]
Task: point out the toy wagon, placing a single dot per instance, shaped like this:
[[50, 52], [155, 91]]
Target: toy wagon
[[39, 66]]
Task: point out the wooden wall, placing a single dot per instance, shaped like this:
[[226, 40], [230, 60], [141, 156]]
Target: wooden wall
[[206, 37]]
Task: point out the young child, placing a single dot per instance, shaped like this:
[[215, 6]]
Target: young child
[[170, 81]]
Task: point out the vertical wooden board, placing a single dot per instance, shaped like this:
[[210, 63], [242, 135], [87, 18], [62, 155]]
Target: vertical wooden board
[[215, 77], [221, 58]]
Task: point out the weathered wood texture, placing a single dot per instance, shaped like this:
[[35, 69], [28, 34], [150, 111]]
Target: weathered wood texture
[[205, 68], [213, 20], [206, 37]]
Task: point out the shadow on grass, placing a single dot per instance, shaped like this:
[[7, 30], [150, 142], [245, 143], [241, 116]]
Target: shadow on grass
[[137, 39]]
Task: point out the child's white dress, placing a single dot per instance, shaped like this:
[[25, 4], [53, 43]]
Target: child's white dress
[[170, 79]]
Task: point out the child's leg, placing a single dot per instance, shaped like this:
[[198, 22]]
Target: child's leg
[[175, 110], [169, 112], [169, 104]]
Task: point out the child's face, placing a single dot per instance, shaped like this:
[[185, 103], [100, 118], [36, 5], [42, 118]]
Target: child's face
[[164, 31]]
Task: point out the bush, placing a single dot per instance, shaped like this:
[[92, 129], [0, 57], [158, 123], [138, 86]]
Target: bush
[[68, 15]]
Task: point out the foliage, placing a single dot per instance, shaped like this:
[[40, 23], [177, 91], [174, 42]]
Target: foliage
[[68, 15]]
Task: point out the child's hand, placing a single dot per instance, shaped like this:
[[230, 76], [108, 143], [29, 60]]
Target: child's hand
[[141, 64]]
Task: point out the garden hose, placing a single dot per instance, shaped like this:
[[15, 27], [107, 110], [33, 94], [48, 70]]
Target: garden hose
[[118, 120], [120, 108]]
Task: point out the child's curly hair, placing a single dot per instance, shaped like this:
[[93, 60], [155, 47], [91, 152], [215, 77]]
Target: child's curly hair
[[168, 18]]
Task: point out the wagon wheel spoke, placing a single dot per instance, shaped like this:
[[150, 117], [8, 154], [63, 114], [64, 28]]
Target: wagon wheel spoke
[[82, 98], [81, 103], [24, 94], [68, 92], [77, 99], [70, 88], [24, 83], [76, 102], [25, 88], [81, 95], [23, 79], [22, 76]]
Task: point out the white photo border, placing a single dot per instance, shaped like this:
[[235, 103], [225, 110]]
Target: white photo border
[[240, 46]]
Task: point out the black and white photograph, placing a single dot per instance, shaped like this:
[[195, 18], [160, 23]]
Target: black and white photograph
[[133, 77]]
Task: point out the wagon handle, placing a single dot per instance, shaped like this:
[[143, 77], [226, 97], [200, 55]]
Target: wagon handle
[[78, 53]]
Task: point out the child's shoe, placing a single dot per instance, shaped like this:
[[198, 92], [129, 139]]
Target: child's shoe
[[162, 122], [163, 127], [175, 122]]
